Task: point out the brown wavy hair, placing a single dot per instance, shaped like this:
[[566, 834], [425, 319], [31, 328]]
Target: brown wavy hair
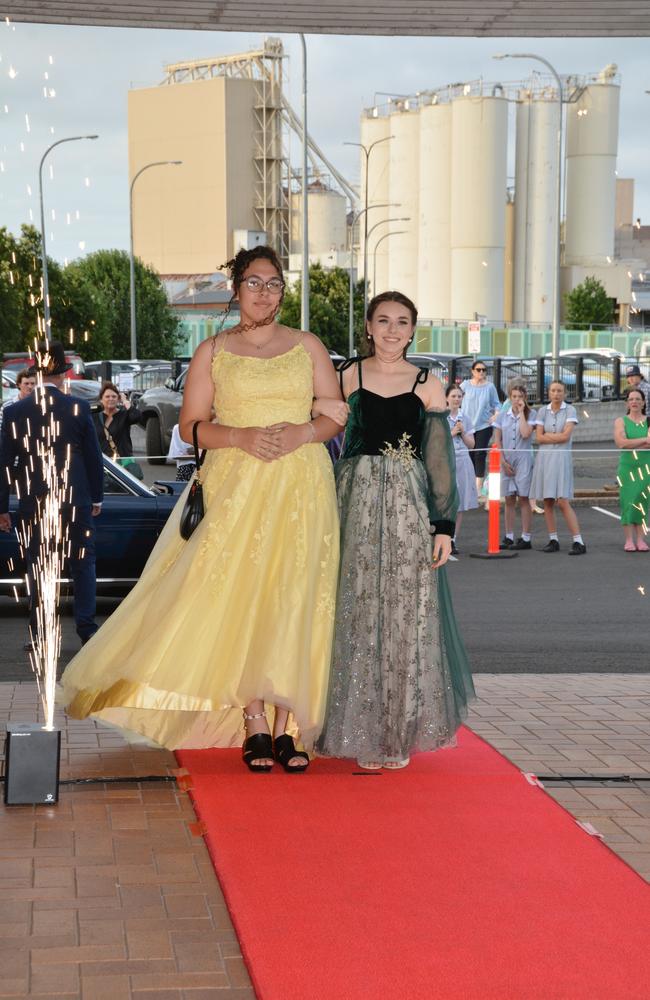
[[402, 300]]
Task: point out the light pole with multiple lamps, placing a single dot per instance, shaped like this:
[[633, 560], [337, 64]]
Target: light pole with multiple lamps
[[382, 222], [355, 219], [555, 339], [147, 166], [47, 322], [395, 232], [367, 150]]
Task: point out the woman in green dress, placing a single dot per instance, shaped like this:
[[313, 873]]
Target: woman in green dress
[[400, 681], [632, 437]]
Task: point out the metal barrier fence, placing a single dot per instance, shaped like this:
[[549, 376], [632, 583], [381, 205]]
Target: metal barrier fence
[[586, 378]]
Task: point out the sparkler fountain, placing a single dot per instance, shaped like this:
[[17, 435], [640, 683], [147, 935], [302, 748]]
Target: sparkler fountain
[[32, 764]]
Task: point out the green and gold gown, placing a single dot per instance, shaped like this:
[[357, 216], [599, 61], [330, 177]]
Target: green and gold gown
[[400, 679]]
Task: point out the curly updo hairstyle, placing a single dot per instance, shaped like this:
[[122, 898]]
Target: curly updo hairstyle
[[402, 300]]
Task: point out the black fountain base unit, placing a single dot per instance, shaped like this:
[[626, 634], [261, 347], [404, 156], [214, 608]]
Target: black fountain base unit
[[32, 756]]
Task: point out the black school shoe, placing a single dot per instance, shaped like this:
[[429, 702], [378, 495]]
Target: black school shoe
[[506, 543], [577, 549], [521, 544], [552, 545]]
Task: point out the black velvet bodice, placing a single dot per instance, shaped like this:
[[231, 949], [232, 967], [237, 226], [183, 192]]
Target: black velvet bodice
[[378, 421]]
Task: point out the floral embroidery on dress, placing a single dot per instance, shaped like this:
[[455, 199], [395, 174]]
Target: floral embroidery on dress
[[405, 453]]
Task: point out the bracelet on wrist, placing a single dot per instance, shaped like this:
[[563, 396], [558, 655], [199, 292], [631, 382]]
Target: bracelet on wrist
[[312, 433], [231, 438]]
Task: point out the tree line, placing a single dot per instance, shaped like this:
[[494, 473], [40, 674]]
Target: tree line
[[89, 302]]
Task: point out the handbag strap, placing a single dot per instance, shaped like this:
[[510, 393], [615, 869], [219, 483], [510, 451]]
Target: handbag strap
[[112, 444], [198, 456]]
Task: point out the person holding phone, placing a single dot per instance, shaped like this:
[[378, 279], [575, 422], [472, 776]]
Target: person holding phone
[[514, 429], [113, 425], [462, 435]]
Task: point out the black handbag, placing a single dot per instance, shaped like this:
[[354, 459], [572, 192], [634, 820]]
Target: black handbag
[[194, 510]]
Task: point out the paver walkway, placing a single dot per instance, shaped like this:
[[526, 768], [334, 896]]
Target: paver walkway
[[111, 893]]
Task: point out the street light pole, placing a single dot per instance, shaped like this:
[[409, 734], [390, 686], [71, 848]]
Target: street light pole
[[158, 163], [304, 304], [367, 150], [47, 322], [396, 232], [382, 222], [355, 219], [555, 338]]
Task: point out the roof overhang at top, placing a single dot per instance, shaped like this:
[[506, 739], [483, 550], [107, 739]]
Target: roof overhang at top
[[526, 18]]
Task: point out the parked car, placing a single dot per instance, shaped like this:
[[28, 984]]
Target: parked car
[[132, 517], [433, 363], [18, 360], [160, 408], [149, 378], [597, 371], [94, 368], [9, 387], [80, 388], [85, 389]]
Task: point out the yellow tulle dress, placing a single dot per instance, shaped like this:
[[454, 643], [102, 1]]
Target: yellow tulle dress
[[242, 610]]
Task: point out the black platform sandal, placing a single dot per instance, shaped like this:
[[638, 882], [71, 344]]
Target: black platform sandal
[[285, 750], [259, 746]]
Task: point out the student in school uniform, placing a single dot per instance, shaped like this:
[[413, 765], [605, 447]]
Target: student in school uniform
[[553, 471], [514, 429]]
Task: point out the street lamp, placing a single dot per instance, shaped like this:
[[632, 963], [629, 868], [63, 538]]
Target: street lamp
[[46, 287], [406, 218], [382, 222], [367, 151], [158, 163], [304, 304], [355, 219], [555, 345]]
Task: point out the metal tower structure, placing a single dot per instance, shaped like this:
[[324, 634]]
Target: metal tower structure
[[274, 116]]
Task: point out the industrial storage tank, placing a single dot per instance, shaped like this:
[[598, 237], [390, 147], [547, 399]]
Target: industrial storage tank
[[592, 140], [536, 230], [375, 126], [327, 218], [478, 194], [434, 215], [404, 153]]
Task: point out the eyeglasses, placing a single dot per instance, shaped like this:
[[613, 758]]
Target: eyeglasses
[[273, 285], [481, 370]]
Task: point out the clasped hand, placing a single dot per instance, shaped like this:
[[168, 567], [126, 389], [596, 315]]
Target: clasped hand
[[270, 443]]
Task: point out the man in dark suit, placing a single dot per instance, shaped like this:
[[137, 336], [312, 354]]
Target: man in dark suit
[[61, 426]]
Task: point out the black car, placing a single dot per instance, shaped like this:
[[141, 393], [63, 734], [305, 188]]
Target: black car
[[132, 517]]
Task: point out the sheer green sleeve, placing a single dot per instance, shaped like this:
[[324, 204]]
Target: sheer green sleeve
[[440, 464]]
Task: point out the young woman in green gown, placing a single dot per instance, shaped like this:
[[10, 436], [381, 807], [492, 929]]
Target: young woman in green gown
[[400, 681], [632, 437]]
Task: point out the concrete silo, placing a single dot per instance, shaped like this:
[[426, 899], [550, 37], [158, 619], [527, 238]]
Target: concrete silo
[[478, 192], [434, 215], [592, 140], [373, 127], [327, 211], [536, 207], [404, 153]]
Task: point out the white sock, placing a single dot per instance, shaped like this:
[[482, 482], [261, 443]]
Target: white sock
[[578, 538], [553, 536], [510, 535], [525, 536]]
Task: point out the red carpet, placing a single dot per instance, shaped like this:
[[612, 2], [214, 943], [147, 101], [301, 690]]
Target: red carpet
[[452, 879]]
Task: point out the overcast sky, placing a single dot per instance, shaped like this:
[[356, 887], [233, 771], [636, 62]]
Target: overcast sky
[[90, 70]]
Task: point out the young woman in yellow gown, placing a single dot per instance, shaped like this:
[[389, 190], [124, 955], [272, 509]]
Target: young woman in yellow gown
[[238, 619]]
